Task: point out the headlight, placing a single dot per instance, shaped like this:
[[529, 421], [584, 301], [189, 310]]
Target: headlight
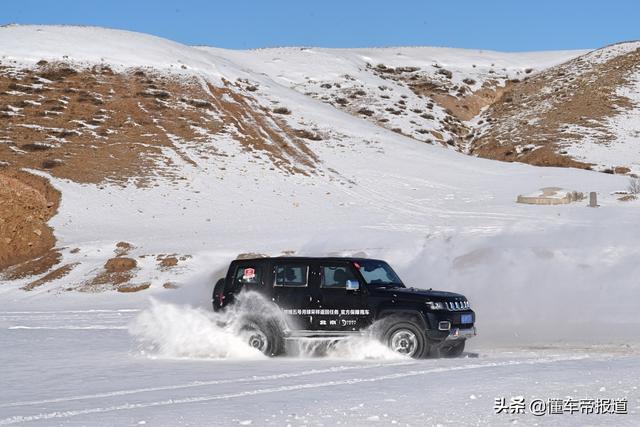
[[433, 305]]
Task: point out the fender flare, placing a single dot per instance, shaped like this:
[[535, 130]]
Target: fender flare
[[404, 313]]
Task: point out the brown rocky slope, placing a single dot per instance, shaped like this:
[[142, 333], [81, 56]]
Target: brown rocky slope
[[539, 120]]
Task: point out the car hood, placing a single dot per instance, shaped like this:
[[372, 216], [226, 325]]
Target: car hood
[[417, 294]]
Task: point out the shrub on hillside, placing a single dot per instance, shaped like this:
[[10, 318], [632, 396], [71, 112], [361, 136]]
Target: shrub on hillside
[[443, 71], [281, 110], [365, 112]]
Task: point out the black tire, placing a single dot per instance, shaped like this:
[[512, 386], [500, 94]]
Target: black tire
[[216, 297], [454, 350], [405, 337], [263, 335]]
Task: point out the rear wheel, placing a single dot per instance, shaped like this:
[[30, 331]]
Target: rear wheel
[[406, 338], [264, 336]]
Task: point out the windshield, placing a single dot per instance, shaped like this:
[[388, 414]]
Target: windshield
[[378, 273]]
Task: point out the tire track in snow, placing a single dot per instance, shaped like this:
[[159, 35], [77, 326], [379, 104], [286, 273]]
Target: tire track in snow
[[56, 312], [68, 328], [97, 319], [207, 398], [205, 383]]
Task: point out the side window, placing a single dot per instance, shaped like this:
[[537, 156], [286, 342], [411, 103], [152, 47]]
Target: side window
[[336, 276], [247, 275], [291, 275]]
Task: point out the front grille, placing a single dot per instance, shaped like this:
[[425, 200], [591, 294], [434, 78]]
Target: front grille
[[457, 305]]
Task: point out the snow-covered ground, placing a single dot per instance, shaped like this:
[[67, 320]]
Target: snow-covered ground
[[80, 367], [298, 66], [555, 288]]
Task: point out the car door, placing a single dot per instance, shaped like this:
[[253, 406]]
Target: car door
[[341, 298], [292, 292]]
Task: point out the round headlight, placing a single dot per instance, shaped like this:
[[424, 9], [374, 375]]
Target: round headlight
[[435, 305]]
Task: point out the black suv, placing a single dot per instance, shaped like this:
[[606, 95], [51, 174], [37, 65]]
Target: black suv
[[333, 298]]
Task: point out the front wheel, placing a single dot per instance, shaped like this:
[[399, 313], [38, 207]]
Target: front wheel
[[406, 338]]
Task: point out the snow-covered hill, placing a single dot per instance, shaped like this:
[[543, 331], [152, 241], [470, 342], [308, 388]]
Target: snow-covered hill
[[176, 159], [425, 93]]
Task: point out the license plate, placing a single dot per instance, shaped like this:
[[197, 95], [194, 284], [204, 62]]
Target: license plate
[[466, 318]]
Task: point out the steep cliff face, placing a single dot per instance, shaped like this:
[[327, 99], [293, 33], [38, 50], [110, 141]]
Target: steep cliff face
[[27, 202]]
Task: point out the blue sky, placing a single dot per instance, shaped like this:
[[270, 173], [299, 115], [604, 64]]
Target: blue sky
[[239, 24]]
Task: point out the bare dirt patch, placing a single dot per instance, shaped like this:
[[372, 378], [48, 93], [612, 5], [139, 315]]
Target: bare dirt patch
[[27, 202], [123, 248], [94, 125], [133, 288], [56, 274], [468, 106], [628, 197], [33, 267], [170, 285], [117, 272], [120, 264], [168, 262]]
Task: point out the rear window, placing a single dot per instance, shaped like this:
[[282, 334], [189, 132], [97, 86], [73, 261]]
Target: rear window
[[292, 275], [248, 275]]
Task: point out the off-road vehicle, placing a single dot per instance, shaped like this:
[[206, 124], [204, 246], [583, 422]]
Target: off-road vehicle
[[334, 298]]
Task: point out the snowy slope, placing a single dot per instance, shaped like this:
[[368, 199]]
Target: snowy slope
[[585, 110], [622, 147], [26, 45], [536, 275], [296, 66], [409, 90]]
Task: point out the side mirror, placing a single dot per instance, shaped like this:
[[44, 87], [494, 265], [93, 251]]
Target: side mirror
[[353, 285]]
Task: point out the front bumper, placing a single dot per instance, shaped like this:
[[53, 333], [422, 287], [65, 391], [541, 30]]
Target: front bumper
[[461, 333], [447, 325]]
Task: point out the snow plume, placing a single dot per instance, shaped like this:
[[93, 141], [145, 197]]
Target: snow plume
[[168, 330], [571, 284], [565, 285], [360, 347], [182, 331]]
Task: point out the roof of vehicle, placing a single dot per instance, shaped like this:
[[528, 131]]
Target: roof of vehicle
[[307, 259]]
